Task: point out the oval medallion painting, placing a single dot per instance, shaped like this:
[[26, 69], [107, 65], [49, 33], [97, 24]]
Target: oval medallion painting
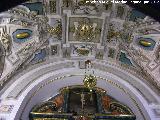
[[146, 43], [21, 35]]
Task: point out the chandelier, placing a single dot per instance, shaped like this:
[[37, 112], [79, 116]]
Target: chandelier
[[90, 79]]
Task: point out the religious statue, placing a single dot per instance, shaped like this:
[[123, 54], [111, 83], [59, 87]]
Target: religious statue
[[82, 101]]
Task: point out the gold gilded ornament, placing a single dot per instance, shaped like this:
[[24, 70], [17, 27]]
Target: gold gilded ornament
[[83, 51], [90, 81], [22, 35], [145, 43], [85, 30]]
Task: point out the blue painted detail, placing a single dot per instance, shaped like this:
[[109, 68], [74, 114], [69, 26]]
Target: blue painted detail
[[21, 31], [99, 103], [109, 117], [65, 105], [36, 6], [136, 14], [39, 56], [123, 58], [148, 40]]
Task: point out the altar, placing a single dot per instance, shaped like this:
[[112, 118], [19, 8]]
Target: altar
[[81, 103]]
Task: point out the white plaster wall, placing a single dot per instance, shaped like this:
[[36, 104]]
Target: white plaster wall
[[25, 102]]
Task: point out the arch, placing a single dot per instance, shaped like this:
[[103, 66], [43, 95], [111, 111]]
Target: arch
[[48, 82]]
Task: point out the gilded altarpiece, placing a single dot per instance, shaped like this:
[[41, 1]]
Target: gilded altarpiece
[[80, 103]]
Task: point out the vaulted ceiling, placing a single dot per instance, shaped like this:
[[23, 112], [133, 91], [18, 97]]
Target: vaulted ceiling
[[44, 30], [79, 29]]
